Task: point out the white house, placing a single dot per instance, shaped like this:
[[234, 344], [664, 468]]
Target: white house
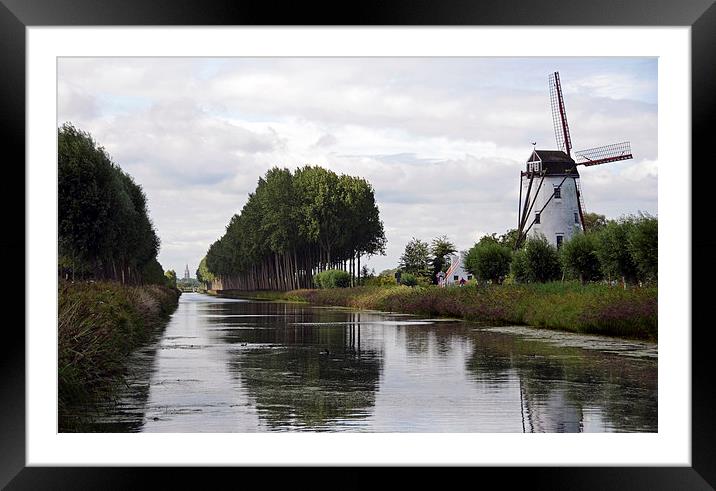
[[456, 271]]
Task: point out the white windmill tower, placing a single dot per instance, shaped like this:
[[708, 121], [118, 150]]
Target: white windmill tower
[[551, 200]]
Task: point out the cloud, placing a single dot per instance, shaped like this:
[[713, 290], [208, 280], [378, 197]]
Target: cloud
[[326, 140]]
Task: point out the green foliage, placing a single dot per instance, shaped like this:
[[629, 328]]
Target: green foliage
[[203, 275], [613, 250], [537, 262], [440, 248], [153, 274], [104, 229], [332, 278], [488, 260], [508, 239], [643, 245], [294, 224], [171, 278], [579, 258], [408, 279], [381, 280], [593, 222], [519, 270], [416, 258]]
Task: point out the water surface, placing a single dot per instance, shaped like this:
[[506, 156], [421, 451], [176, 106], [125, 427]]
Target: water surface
[[225, 365]]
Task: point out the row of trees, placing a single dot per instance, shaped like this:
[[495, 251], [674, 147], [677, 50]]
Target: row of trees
[[103, 226], [294, 225], [625, 249]]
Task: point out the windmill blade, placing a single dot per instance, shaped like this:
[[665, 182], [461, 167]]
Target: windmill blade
[[604, 154], [559, 114]]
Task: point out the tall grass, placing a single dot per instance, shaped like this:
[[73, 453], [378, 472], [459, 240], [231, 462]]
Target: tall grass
[[98, 325], [570, 306]]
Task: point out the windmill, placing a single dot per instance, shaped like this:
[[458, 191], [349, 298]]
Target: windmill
[[551, 177]]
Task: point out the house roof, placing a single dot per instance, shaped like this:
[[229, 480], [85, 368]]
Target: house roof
[[555, 162]]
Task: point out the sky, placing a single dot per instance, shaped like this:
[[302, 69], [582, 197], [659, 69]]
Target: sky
[[441, 140]]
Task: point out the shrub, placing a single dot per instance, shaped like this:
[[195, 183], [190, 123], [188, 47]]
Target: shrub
[[613, 250], [332, 278], [408, 279], [643, 246], [382, 280], [579, 258], [537, 262], [488, 261], [518, 268]]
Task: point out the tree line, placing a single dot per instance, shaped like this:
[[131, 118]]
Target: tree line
[[104, 229], [293, 226]]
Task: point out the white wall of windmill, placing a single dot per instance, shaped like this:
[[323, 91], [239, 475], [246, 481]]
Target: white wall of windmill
[[558, 217]]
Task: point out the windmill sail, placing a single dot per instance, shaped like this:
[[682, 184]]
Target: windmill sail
[[604, 154], [559, 114]]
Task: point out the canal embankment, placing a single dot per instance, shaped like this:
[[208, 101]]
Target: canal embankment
[[568, 306], [99, 324]]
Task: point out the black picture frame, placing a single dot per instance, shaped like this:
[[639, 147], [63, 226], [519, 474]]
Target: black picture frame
[[16, 15]]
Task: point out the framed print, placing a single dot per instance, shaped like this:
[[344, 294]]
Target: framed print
[[402, 109]]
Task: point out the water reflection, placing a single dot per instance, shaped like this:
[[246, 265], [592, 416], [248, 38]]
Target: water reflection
[[303, 368], [257, 366], [566, 389]]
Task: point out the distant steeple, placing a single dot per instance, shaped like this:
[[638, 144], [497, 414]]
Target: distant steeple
[[186, 272]]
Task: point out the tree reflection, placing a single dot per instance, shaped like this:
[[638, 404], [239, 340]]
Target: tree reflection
[[305, 367]]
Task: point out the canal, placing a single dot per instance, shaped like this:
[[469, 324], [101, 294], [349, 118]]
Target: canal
[[226, 365]]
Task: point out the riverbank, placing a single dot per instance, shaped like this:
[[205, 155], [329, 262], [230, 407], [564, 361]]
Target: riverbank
[[99, 324], [568, 306]]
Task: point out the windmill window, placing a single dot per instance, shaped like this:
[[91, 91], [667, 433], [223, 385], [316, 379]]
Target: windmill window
[[537, 217], [576, 217], [558, 192], [469, 277], [455, 278], [560, 238]]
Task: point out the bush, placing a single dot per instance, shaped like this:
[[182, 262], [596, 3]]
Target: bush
[[332, 278], [381, 280], [518, 268], [613, 250], [408, 279], [643, 246], [489, 260], [537, 262], [579, 258]]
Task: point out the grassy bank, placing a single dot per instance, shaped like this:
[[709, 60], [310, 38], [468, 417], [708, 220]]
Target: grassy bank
[[593, 308], [98, 325]]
